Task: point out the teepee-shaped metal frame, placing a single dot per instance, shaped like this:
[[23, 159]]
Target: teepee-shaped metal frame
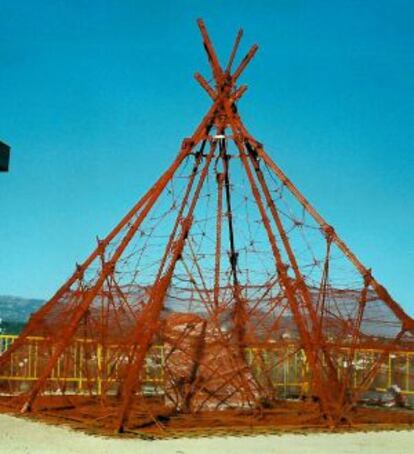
[[222, 124]]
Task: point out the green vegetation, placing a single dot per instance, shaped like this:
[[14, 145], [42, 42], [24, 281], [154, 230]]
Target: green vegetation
[[11, 327]]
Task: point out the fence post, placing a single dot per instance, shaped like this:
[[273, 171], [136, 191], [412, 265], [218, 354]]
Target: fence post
[[407, 372], [80, 367], [99, 359], [389, 370]]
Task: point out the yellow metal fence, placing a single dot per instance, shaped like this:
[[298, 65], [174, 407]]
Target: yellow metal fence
[[285, 367]]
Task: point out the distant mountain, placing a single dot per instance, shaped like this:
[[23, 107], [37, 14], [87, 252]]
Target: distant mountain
[[17, 309]]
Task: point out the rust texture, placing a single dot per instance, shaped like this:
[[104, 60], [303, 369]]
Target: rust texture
[[219, 279]]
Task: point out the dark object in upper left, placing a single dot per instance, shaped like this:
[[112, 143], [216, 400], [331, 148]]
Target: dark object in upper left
[[4, 157]]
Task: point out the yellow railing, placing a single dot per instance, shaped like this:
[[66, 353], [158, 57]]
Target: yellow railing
[[84, 353], [285, 366]]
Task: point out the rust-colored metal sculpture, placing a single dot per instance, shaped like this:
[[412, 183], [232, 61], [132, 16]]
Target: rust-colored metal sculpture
[[222, 257]]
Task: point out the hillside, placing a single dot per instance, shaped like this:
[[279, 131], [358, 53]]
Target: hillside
[[17, 309]]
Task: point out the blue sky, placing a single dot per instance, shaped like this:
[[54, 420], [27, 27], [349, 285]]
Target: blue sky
[[97, 95]]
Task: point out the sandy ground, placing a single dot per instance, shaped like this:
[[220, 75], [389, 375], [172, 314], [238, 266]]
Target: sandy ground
[[23, 436]]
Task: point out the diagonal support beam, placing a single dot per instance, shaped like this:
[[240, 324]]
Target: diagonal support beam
[[211, 53], [406, 320], [146, 327], [311, 344], [82, 308], [246, 60], [234, 51], [238, 93], [204, 84], [156, 190]]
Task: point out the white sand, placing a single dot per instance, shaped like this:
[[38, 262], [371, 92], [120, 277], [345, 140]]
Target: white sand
[[23, 436]]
